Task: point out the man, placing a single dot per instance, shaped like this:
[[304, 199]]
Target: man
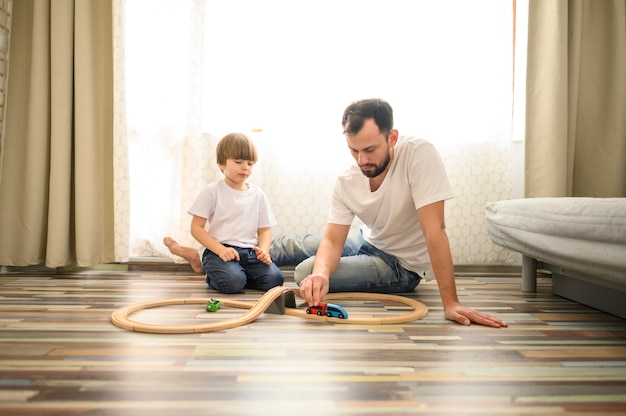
[[397, 189]]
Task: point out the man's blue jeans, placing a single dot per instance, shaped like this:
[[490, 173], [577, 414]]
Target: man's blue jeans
[[362, 268], [234, 276]]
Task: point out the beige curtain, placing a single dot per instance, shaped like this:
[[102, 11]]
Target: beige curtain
[[576, 99], [56, 179]]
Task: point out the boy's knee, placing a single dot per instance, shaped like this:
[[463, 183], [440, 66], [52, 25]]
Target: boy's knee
[[228, 288], [273, 281], [228, 282], [276, 277], [268, 281]]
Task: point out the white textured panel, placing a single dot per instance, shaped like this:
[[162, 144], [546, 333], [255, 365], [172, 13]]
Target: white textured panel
[[300, 193], [479, 173]]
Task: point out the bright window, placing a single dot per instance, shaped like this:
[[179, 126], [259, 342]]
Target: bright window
[[197, 69]]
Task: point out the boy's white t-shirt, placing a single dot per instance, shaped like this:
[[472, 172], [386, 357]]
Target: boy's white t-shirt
[[233, 216], [416, 178]]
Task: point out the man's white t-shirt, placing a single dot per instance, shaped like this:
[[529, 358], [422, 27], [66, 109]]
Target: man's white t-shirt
[[416, 178], [234, 216]]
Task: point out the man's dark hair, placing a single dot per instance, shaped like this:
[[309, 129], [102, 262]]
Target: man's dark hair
[[356, 113]]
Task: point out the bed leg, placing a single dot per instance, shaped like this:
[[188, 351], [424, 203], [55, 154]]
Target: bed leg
[[529, 274]]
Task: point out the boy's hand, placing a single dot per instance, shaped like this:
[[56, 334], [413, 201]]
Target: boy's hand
[[262, 255], [228, 254]]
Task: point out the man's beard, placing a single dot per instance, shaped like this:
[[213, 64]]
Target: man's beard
[[379, 168]]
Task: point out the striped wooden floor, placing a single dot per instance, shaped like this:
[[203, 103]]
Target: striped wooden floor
[[60, 354]]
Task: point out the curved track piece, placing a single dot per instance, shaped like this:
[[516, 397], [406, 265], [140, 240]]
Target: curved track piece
[[121, 318]]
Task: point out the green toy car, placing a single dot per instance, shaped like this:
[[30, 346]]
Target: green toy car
[[213, 305]]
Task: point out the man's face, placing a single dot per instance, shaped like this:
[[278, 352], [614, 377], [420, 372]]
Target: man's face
[[371, 149]]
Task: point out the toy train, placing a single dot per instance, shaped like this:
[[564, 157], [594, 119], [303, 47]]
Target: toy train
[[213, 305], [329, 309]]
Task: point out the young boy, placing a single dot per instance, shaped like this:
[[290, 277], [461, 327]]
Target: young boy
[[239, 216]]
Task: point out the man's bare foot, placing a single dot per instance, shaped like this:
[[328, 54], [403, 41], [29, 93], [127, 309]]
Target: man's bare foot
[[188, 253]]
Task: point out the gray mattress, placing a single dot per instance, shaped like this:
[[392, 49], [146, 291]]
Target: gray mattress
[[584, 235]]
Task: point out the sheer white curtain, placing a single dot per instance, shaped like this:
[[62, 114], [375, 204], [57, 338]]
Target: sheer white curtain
[[283, 72]]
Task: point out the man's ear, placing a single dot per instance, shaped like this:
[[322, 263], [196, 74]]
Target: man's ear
[[393, 137]]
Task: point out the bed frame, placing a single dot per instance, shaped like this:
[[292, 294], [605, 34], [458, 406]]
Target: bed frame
[[581, 241], [602, 294]]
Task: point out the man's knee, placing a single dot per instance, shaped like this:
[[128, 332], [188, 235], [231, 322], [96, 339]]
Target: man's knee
[[303, 269], [290, 250]]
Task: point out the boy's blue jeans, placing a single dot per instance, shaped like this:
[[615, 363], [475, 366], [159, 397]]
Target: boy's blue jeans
[[362, 268], [234, 276]]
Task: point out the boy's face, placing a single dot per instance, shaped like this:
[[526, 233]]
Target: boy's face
[[236, 171]]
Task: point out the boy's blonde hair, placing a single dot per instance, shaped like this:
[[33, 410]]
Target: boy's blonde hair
[[236, 146]]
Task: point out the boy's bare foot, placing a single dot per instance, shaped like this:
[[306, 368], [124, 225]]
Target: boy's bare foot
[[188, 253]]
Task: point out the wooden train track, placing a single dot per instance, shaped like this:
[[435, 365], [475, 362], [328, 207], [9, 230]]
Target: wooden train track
[[121, 318]]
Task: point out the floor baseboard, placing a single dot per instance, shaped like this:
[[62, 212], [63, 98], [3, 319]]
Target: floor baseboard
[[156, 264]]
